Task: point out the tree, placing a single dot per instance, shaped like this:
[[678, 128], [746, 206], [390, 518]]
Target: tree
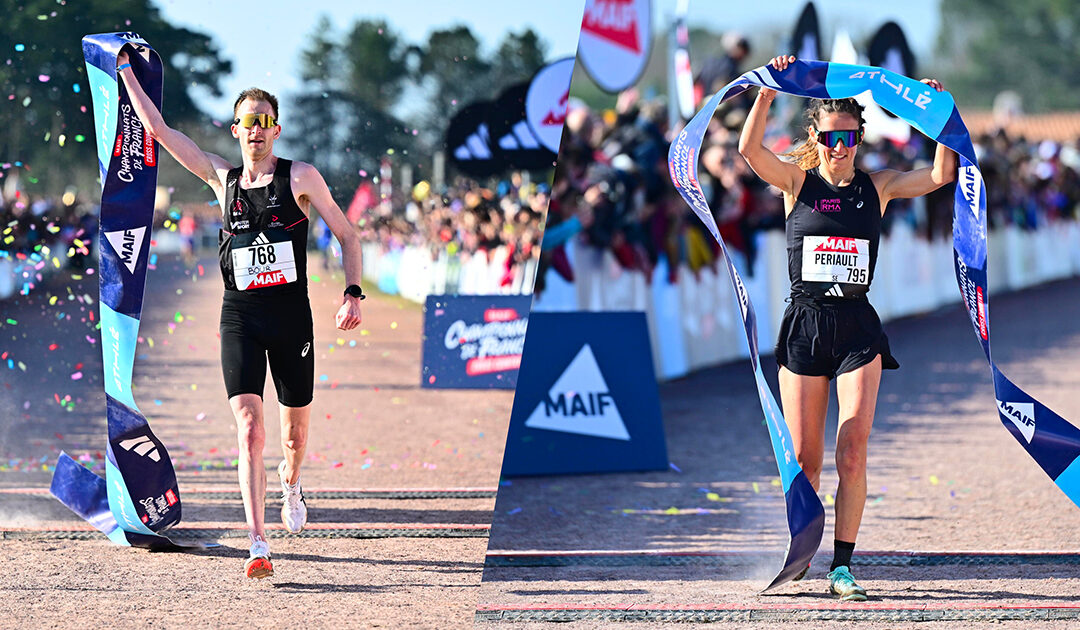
[[377, 70], [986, 46], [352, 86], [518, 58], [452, 63], [47, 93]]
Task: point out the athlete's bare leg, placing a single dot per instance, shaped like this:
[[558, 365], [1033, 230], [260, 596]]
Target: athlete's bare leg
[[294, 431], [251, 435], [857, 393], [805, 399]]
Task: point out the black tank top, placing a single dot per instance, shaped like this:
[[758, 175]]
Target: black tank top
[[832, 237], [262, 246]]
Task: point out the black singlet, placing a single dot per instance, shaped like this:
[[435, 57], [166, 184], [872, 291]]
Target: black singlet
[[270, 320], [261, 228], [832, 237]]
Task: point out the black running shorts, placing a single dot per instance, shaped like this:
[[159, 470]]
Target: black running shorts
[[256, 329], [822, 337]]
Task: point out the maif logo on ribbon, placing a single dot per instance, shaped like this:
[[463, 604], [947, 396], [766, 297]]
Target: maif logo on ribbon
[[580, 402], [127, 244], [587, 399], [1020, 414]]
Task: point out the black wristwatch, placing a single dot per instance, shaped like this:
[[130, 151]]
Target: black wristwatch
[[354, 291]]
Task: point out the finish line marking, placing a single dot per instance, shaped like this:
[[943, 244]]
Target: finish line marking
[[655, 558], [412, 530], [782, 613], [324, 531], [231, 493]]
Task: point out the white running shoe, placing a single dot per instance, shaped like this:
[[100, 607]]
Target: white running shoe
[[293, 508], [258, 564]]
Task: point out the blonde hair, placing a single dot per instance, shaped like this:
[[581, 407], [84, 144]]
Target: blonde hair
[[805, 156]]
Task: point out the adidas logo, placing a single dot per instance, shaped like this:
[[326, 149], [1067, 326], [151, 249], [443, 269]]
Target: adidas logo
[[261, 239], [142, 445], [835, 291]]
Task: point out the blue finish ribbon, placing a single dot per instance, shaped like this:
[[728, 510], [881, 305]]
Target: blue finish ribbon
[[139, 497], [1051, 441]]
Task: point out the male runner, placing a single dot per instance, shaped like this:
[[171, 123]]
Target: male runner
[[265, 312]]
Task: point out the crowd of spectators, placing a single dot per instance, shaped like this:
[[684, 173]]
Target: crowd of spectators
[[612, 189], [464, 221], [36, 229]]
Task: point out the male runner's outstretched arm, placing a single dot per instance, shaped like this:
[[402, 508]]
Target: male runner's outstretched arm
[[309, 185], [205, 166]]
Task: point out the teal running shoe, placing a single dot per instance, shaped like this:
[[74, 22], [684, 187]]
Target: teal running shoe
[[842, 583]]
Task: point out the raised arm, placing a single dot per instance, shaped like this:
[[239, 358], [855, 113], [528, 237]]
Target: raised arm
[[784, 175], [908, 184], [309, 184], [204, 165]]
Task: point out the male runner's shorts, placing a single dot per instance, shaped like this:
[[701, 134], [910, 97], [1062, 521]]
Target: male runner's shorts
[[279, 329], [822, 337]]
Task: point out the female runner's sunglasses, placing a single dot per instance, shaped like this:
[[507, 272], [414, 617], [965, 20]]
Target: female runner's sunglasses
[[849, 137], [247, 121]]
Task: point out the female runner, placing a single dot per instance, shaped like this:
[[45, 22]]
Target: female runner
[[833, 223]]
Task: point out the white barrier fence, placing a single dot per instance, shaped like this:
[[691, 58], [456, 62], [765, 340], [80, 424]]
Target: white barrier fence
[[413, 274], [695, 323]]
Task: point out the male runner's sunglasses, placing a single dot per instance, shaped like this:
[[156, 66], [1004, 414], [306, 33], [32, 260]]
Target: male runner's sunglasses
[[247, 121], [850, 138]]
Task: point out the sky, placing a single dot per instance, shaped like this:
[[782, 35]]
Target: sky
[[919, 18], [265, 51]]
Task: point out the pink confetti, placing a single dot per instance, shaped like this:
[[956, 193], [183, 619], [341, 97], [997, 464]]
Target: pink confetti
[[44, 78], [76, 376]]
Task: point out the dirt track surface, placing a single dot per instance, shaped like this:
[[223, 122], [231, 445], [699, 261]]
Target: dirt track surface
[[944, 475], [372, 427]]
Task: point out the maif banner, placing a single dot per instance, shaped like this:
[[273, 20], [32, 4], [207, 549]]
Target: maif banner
[[473, 341], [546, 101], [139, 497], [615, 41], [1051, 441], [587, 399]]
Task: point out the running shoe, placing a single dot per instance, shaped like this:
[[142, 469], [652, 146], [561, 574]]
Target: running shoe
[[258, 564], [842, 583], [293, 508]]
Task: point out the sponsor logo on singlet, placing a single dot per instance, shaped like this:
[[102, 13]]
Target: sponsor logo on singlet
[[827, 205]]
